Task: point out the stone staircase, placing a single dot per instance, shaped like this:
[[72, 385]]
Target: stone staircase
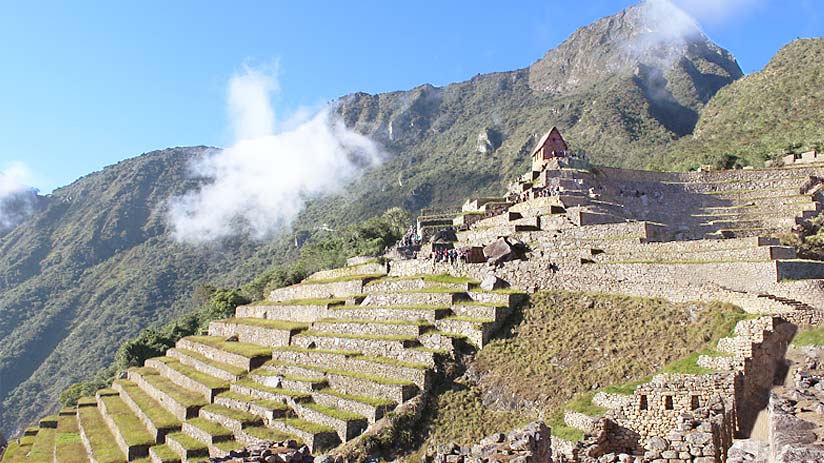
[[318, 363]]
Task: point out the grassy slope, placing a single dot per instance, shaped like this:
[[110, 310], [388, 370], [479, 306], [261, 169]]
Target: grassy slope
[[763, 113], [562, 346]]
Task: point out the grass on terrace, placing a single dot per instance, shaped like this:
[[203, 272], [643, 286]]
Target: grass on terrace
[[104, 448], [67, 444], [178, 394], [282, 325], [231, 369], [560, 347], [264, 433], [240, 348], [334, 412], [165, 453], [267, 404], [374, 401], [42, 450], [307, 426], [296, 395], [811, 337], [130, 427], [352, 374], [210, 427], [343, 278], [189, 372], [158, 415], [189, 443], [367, 337], [334, 300]]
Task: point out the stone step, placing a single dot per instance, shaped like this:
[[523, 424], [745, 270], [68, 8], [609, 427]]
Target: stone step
[[338, 287], [487, 310], [208, 432], [163, 454], [257, 331], [406, 313], [733, 252], [316, 436], [69, 448], [230, 418], [769, 184], [476, 330], [242, 355], [157, 420], [751, 194], [371, 267], [129, 432], [294, 381], [100, 444], [372, 327], [505, 297], [348, 425], [268, 410], [372, 408], [188, 377], [180, 402], [255, 435], [419, 282], [417, 373], [206, 365], [350, 382], [416, 297], [307, 310], [187, 447], [252, 388], [394, 347]]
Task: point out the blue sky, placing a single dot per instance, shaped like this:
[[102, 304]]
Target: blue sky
[[86, 84]]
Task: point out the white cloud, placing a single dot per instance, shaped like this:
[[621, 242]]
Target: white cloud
[[16, 197], [262, 182]]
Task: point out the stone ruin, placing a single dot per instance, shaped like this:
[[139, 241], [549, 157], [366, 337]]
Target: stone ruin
[[335, 357]]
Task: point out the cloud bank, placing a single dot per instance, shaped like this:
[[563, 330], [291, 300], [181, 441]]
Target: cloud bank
[[17, 199], [262, 182], [716, 11]]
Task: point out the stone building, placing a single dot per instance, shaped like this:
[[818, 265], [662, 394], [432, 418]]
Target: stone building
[[551, 145]]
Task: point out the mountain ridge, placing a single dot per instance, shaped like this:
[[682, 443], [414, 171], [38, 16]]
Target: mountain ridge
[[105, 270]]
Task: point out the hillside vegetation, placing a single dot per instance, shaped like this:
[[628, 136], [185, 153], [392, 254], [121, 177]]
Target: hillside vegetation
[[561, 348], [776, 110]]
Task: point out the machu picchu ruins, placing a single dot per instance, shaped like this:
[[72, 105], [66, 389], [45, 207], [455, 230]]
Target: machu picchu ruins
[[321, 367]]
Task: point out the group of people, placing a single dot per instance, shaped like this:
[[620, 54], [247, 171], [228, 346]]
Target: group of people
[[410, 239], [547, 192], [447, 255]]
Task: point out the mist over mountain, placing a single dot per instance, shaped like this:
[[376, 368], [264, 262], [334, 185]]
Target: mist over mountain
[[97, 261]]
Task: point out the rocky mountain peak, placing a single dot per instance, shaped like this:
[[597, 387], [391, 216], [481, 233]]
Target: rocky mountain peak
[[652, 34]]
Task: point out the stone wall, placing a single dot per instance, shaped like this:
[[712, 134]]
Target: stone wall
[[309, 290], [252, 334]]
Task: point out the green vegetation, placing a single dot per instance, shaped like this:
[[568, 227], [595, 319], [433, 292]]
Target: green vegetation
[[67, 444], [264, 433], [130, 427], [352, 374], [296, 395], [42, 450], [210, 427], [240, 348], [359, 321], [332, 300], [390, 307], [231, 369], [189, 443], [762, 116], [178, 394], [268, 404], [391, 361], [457, 414], [343, 278], [165, 453], [158, 415], [202, 378], [334, 412], [104, 447], [374, 401], [553, 356], [368, 337], [282, 325], [810, 337], [307, 426]]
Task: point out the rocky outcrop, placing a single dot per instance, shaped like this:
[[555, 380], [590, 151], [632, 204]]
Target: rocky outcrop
[[531, 444]]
